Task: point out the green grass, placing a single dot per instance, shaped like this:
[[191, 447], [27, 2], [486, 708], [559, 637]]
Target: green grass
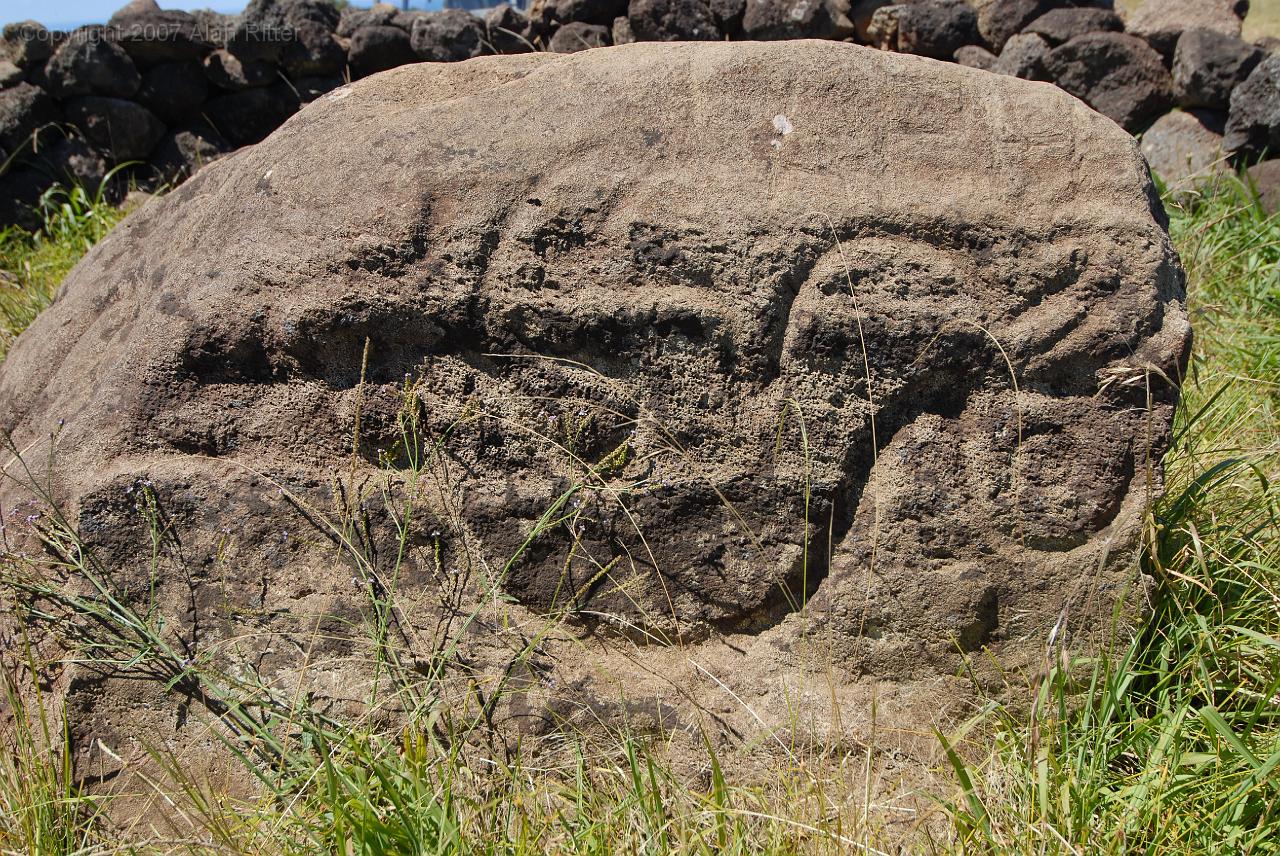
[[1169, 745], [32, 264]]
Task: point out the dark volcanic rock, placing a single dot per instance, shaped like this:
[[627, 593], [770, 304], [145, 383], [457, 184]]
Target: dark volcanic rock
[[448, 36], [1024, 56], [577, 36], [673, 20], [298, 34], [174, 91], [728, 14], [151, 37], [1062, 25], [1184, 148], [185, 150], [26, 43], [89, 64], [249, 116], [1117, 74], [354, 18], [1000, 20], [1161, 22], [24, 110], [975, 56], [507, 29], [618, 283], [227, 71], [1253, 125], [546, 15], [10, 74], [124, 129], [932, 28], [796, 19], [1208, 65], [375, 49]]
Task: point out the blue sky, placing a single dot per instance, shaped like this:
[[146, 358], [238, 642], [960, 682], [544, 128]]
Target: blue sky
[[59, 13], [64, 13]]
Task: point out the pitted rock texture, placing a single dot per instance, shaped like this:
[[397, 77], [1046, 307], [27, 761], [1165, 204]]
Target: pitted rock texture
[[789, 338]]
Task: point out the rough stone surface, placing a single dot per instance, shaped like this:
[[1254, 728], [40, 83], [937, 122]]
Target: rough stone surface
[[10, 74], [184, 151], [507, 29], [88, 64], [1062, 25], [24, 109], [151, 37], [125, 129], [1184, 148], [1116, 74], [26, 43], [796, 19], [378, 48], [249, 116], [227, 71], [1000, 20], [353, 18], [936, 28], [975, 56], [1253, 125], [1161, 22], [577, 36], [1208, 65], [1265, 178], [546, 15], [174, 91], [673, 20], [448, 36], [298, 34], [1024, 56], [619, 308]]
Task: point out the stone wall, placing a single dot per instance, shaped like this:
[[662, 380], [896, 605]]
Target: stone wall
[[163, 92]]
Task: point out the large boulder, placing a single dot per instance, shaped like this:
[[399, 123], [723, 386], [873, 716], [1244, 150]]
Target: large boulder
[[88, 63], [796, 19], [1116, 74], [933, 28], [297, 34], [1253, 125], [1208, 65], [1000, 20], [507, 29], [10, 74], [125, 129], [842, 364], [174, 91], [577, 36], [1161, 22], [448, 36], [26, 43], [673, 20], [546, 15], [24, 111], [152, 36], [378, 48], [1184, 148], [354, 18], [227, 71], [1062, 25], [248, 116], [1024, 56], [183, 151]]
